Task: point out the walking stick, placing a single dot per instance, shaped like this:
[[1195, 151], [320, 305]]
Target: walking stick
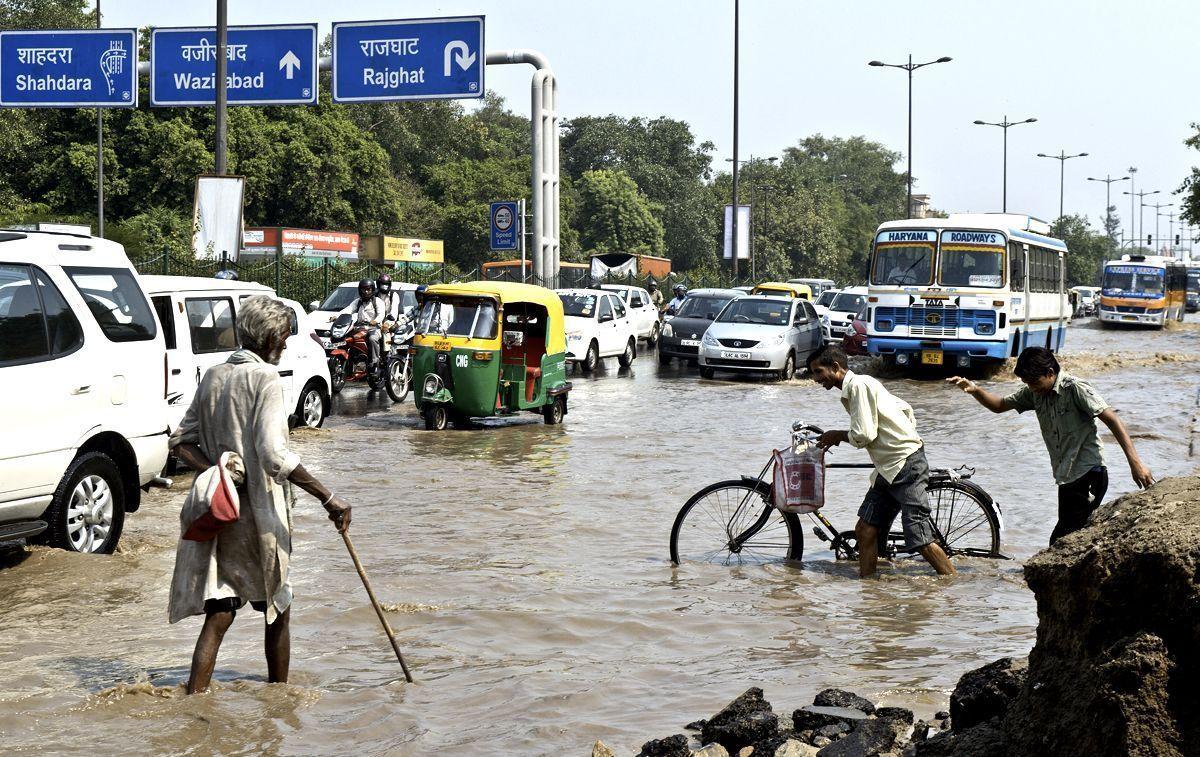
[[375, 603]]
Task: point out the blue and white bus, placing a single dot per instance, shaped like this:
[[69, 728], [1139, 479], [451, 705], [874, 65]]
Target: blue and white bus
[[966, 289]]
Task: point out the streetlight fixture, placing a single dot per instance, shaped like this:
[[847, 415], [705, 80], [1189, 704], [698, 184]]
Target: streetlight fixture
[[1005, 124], [1108, 182], [1141, 214], [1062, 159], [910, 67]]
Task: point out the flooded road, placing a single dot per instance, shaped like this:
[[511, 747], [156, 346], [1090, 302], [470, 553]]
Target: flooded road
[[526, 571]]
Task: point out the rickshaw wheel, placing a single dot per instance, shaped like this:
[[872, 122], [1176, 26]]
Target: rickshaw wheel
[[553, 413], [436, 418]]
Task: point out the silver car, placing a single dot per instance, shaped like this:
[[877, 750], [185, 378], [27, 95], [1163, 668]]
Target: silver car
[[761, 334]]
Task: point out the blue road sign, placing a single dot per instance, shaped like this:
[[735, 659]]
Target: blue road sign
[[68, 68], [266, 65], [414, 59], [506, 226]]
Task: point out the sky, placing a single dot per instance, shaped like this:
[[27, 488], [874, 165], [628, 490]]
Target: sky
[[1110, 79]]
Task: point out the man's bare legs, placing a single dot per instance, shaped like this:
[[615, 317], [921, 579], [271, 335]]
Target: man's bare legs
[[936, 557], [278, 642], [868, 552], [204, 659]]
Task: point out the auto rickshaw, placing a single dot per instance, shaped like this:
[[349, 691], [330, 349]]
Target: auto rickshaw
[[489, 348], [784, 289]]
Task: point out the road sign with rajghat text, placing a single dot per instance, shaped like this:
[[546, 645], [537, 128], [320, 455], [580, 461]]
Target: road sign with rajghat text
[[68, 68], [414, 59], [265, 65]]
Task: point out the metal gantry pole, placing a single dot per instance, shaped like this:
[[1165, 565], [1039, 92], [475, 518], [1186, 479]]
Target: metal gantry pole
[[222, 103], [734, 228]]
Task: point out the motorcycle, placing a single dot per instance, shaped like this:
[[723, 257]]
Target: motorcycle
[[348, 357]]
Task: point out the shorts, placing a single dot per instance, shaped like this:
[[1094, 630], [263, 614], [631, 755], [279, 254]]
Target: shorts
[[907, 495], [231, 604]]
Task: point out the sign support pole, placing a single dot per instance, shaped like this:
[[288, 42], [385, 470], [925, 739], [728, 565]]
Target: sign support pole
[[521, 215], [222, 102]]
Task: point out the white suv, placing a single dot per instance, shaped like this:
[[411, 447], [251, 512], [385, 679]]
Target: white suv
[[598, 325], [199, 320], [645, 316], [82, 390]]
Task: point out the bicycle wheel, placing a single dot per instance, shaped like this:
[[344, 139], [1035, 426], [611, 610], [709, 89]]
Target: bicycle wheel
[[733, 522], [965, 519]]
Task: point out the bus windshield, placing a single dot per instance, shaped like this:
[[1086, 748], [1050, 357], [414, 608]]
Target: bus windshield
[[1133, 281], [1193, 280], [971, 266], [904, 264]]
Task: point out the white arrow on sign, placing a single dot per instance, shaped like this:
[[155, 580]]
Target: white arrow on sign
[[462, 55], [289, 63]]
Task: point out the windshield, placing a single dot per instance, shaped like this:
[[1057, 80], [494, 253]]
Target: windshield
[[846, 302], [903, 264], [458, 316], [971, 266], [827, 297], [341, 297], [1132, 280], [749, 310], [701, 307], [1193, 281], [581, 305]]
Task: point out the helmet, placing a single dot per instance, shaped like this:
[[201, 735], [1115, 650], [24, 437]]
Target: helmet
[[366, 289], [680, 289], [652, 285], [228, 274], [383, 283]]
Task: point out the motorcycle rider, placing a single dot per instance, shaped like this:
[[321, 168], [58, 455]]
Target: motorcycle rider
[[370, 311], [391, 305], [677, 301], [656, 297]]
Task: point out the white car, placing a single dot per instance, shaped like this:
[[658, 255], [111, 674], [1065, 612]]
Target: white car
[[823, 300], [598, 325], [842, 309], [199, 317], [82, 390], [342, 299], [645, 316]]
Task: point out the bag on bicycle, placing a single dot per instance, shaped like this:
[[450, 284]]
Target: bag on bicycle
[[799, 479]]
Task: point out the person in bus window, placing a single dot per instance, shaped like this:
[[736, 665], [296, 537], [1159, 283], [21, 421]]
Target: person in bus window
[[1067, 409]]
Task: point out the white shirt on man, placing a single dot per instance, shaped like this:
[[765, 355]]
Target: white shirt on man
[[880, 422]]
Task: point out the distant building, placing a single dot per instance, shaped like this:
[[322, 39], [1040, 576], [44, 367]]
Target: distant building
[[919, 207]]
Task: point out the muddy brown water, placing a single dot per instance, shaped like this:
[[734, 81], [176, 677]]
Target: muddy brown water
[[526, 572]]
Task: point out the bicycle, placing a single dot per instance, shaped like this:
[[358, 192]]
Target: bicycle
[[736, 519]]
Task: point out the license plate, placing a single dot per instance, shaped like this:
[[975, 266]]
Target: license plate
[[735, 355], [1128, 318], [931, 357], [689, 342], [442, 345]]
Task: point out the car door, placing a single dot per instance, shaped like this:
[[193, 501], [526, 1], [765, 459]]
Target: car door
[[606, 325], [625, 325], [170, 313], [212, 327], [811, 330], [638, 300]]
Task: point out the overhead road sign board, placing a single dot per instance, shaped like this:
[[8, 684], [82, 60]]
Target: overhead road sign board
[[412, 59], [265, 65], [506, 226], [68, 68]]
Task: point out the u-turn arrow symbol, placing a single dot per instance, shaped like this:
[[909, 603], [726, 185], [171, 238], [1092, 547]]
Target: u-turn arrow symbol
[[462, 55]]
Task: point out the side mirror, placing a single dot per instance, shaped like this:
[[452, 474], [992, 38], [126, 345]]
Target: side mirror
[[314, 305]]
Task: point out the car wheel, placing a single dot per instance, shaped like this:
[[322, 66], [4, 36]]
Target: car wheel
[[707, 373], [591, 359], [87, 512], [312, 406], [436, 418], [553, 413], [663, 358], [625, 359], [789, 368], [654, 334]]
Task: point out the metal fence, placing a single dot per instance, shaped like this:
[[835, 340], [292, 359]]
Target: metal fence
[[305, 281]]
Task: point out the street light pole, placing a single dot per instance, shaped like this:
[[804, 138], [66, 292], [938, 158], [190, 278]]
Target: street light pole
[[1157, 214], [222, 95], [910, 67], [1141, 229], [734, 243], [1004, 125], [1108, 182], [1062, 159], [753, 196]]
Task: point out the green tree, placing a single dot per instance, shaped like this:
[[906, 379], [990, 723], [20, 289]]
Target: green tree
[[1087, 250], [1189, 190], [616, 216]]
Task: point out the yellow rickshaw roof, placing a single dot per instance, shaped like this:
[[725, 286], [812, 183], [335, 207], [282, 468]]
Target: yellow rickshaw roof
[[785, 286], [509, 292]]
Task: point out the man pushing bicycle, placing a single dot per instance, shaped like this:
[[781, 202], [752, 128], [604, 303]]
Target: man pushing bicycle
[[884, 426]]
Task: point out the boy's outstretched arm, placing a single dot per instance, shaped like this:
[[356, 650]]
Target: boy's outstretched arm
[[985, 398], [1141, 474]]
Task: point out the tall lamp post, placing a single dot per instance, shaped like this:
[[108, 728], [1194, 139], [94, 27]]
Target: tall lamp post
[[734, 243], [1108, 182], [1157, 215], [910, 67], [1062, 159], [1005, 124], [1141, 214], [734, 220]]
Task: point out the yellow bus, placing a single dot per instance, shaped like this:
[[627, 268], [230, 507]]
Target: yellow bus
[[1143, 289]]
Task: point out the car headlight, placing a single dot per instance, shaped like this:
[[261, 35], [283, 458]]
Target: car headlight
[[710, 340], [433, 384], [776, 341], [668, 331], [825, 320]]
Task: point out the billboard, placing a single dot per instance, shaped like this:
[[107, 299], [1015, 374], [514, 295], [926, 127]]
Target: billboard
[[404, 249]]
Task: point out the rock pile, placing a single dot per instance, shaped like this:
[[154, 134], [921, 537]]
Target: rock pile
[[837, 724]]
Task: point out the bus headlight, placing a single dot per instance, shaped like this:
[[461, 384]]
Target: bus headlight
[[985, 328]]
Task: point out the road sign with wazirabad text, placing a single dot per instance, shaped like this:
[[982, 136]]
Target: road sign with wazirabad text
[[265, 65], [68, 68], [412, 59]]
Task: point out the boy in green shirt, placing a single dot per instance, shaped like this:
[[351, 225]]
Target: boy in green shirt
[[1066, 410]]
